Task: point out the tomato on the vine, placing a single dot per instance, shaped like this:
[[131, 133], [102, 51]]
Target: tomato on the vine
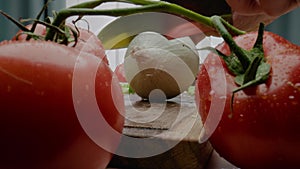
[[86, 40], [259, 127], [39, 124], [90, 43]]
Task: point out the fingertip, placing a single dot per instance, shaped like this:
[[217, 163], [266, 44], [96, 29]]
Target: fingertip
[[246, 7]]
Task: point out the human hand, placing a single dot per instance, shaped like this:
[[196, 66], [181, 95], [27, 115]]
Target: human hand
[[247, 14]]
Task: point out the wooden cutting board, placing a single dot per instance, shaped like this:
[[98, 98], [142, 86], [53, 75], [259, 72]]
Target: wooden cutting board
[[167, 134]]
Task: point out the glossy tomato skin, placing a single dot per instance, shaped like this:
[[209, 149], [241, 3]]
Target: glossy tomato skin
[[38, 123], [90, 43], [263, 129]]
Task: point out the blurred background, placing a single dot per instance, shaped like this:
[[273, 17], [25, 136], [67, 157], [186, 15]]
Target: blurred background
[[287, 25], [23, 9]]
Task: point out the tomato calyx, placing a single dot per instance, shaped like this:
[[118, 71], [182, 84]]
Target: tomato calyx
[[248, 66]]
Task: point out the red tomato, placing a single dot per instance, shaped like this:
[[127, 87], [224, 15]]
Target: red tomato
[[262, 130], [87, 41], [90, 43], [120, 72], [38, 123]]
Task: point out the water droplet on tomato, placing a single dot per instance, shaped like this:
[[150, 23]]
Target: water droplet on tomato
[[212, 92], [222, 97], [297, 86], [291, 97]]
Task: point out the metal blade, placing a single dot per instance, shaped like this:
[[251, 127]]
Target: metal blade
[[122, 30]]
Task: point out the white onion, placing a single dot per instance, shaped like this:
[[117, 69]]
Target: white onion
[[154, 62]]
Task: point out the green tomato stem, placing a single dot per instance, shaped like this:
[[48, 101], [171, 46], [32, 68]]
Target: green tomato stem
[[144, 6], [64, 14], [239, 52], [249, 66]]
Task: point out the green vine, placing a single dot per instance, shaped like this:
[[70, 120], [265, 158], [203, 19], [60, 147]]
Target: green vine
[[87, 8], [57, 30]]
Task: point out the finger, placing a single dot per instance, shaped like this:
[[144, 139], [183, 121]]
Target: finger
[[245, 7], [251, 23], [278, 7]]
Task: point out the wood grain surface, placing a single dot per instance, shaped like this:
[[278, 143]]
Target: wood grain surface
[[167, 133]]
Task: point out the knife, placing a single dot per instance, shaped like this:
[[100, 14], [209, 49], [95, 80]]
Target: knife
[[119, 32]]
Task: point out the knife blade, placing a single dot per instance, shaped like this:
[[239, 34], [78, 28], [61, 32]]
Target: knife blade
[[119, 32]]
